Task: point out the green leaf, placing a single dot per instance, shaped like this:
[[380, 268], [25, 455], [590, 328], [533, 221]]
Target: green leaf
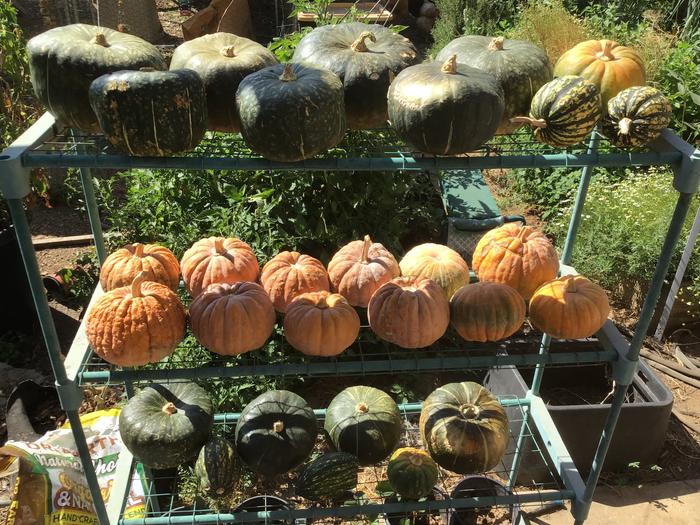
[[694, 97]]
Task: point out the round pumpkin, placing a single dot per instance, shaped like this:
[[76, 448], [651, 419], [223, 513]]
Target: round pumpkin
[[64, 61], [150, 113], [359, 268], [464, 428], [222, 60], [518, 256], [366, 58], [439, 263], [636, 116], [123, 265], [605, 63], [164, 426], [570, 307], [365, 422], [218, 260], [291, 112], [137, 324], [289, 274], [520, 67], [330, 476], [321, 324], [412, 473], [275, 432], [486, 312], [445, 109], [216, 467], [231, 319], [411, 312]]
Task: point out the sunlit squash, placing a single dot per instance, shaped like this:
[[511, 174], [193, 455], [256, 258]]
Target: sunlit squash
[[123, 265], [289, 274], [439, 263], [636, 116], [412, 473], [486, 311]]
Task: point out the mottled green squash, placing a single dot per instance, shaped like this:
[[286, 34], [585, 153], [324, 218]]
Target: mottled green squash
[[636, 116], [216, 467], [412, 473], [330, 476]]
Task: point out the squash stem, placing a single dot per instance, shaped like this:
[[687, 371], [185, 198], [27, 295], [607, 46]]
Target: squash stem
[[228, 51], [534, 122], [169, 408], [138, 250], [524, 232], [359, 45], [362, 408], [287, 74], [322, 303], [278, 426], [570, 284], [450, 65], [497, 44], [136, 284], [624, 126], [100, 39], [219, 245], [606, 54], [365, 249], [470, 411]]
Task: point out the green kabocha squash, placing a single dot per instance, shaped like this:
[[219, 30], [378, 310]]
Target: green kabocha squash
[[222, 60], [150, 113], [366, 57], [412, 473], [636, 116], [275, 432], [445, 109], [520, 67], [291, 112], [564, 111], [215, 467], [329, 476], [364, 421], [464, 428], [164, 426], [64, 61]]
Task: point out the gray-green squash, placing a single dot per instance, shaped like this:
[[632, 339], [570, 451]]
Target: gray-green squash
[[216, 467]]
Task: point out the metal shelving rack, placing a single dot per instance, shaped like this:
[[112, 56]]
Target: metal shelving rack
[[46, 145]]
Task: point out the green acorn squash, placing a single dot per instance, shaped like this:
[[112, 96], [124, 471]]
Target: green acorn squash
[[412, 473], [636, 116], [215, 467], [329, 476]]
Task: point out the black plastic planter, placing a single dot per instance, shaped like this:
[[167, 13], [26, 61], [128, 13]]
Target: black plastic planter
[[16, 305], [264, 503]]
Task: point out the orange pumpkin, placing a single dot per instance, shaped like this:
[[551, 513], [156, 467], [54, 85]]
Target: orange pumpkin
[[231, 319], [515, 255], [411, 312], [289, 274], [486, 311], [136, 324], [321, 324], [359, 268], [218, 260], [123, 265], [605, 63], [439, 263], [571, 307]]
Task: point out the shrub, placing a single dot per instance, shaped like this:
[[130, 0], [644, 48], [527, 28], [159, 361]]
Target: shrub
[[449, 25]]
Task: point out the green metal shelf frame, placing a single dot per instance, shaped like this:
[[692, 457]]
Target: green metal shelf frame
[[34, 148]]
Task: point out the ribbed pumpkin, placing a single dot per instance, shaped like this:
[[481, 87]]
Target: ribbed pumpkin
[[564, 111], [636, 116], [412, 472], [330, 476], [411, 312], [231, 319], [321, 324], [445, 109], [516, 255], [216, 467], [124, 264], [571, 307], [605, 63], [136, 324], [289, 274], [464, 428], [217, 260], [486, 311], [439, 263], [276, 432], [365, 422]]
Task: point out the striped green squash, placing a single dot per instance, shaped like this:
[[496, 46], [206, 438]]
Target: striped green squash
[[464, 428], [412, 472], [215, 467], [636, 116], [329, 476]]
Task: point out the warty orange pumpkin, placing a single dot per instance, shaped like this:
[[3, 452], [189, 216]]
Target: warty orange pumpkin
[[439, 263], [290, 274], [123, 265], [486, 311]]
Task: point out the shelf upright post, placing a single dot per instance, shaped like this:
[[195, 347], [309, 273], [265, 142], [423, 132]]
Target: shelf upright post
[[91, 204]]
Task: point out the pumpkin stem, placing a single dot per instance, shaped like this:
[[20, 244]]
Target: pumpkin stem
[[219, 245], [497, 44], [570, 285], [228, 51], [362, 407], [624, 125], [470, 411], [450, 65], [365, 249], [169, 408], [534, 122], [359, 44], [606, 54], [287, 73], [416, 460], [100, 39], [136, 284], [278, 426], [321, 303], [524, 232], [138, 250]]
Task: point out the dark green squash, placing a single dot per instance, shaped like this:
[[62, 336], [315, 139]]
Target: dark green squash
[[445, 109], [464, 428], [412, 473], [636, 116], [222, 60], [366, 57], [276, 432], [520, 67], [64, 61], [364, 421], [215, 467], [151, 113], [330, 476], [164, 426], [291, 112]]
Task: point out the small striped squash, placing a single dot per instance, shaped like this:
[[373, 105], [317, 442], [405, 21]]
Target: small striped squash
[[215, 467], [636, 116], [412, 472], [329, 476]]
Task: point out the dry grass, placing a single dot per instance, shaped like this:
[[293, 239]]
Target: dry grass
[[654, 46]]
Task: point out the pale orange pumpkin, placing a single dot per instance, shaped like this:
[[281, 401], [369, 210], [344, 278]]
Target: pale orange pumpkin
[[359, 268], [136, 324], [516, 255], [411, 312], [231, 319], [290, 274], [123, 265], [570, 307], [321, 324], [218, 260], [439, 263], [486, 311]]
